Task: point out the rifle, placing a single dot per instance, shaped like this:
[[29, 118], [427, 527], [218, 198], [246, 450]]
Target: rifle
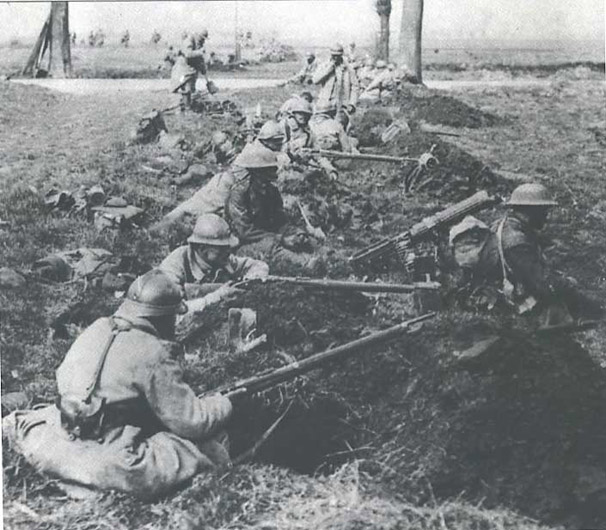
[[340, 285], [430, 162], [271, 378], [425, 162], [403, 242]]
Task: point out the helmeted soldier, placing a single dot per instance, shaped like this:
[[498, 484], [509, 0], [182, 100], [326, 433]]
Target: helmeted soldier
[[254, 208], [125, 419], [189, 62], [513, 259], [305, 75], [206, 262], [297, 134], [339, 84]]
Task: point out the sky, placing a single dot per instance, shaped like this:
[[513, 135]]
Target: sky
[[318, 22]]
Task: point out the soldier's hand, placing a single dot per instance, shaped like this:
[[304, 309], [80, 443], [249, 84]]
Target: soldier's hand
[[351, 109], [231, 293]]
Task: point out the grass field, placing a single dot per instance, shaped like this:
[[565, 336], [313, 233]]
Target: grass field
[[554, 134]]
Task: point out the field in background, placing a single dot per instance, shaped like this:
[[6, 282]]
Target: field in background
[[442, 61]]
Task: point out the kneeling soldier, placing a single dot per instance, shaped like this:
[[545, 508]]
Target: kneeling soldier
[[124, 418]]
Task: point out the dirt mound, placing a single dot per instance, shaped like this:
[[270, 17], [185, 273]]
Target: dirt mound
[[418, 104]]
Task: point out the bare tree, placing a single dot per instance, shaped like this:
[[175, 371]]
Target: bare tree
[[383, 8], [410, 36]]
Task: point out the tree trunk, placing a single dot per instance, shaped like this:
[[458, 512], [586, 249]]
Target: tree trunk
[[383, 51], [59, 53], [410, 36]]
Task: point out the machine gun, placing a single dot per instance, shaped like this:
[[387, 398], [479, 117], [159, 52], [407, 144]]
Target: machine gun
[[340, 285], [403, 243], [271, 378], [427, 161]]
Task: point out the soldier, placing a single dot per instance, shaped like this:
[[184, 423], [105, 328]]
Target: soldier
[[207, 262], [293, 100], [304, 76], [254, 208], [513, 259], [125, 420], [327, 132], [189, 62], [295, 124], [384, 83], [339, 85]]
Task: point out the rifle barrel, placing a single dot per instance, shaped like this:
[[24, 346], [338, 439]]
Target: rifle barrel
[[322, 283], [363, 156], [270, 379]]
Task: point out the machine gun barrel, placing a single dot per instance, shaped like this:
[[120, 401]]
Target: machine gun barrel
[[421, 230], [325, 284], [272, 378]]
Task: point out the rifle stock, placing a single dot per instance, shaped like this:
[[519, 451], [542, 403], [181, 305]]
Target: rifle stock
[[271, 378]]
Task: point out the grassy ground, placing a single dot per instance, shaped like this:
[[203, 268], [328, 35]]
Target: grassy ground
[[553, 134], [146, 61]]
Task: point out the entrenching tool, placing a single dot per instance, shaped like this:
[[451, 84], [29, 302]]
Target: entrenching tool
[[314, 231], [402, 244]]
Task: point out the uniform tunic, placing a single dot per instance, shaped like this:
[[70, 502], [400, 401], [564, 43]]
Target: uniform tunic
[[254, 210], [182, 267], [339, 85], [157, 434]]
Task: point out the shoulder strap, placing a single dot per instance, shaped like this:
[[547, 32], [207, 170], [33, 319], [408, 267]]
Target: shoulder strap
[[116, 328], [189, 275], [504, 265]]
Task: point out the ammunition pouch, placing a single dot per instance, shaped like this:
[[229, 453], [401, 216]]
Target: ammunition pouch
[[82, 419]]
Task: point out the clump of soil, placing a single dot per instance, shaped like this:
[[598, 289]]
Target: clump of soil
[[419, 104]]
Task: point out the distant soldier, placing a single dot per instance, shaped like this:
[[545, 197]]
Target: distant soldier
[[125, 39], [366, 72], [189, 62], [125, 419], [305, 75], [339, 84], [207, 262], [384, 83]]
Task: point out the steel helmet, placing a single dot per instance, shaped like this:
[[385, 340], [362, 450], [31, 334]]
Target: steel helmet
[[271, 130], [203, 33], [310, 55], [256, 155], [325, 107], [336, 49], [210, 229], [531, 194], [301, 105], [152, 295], [381, 64]]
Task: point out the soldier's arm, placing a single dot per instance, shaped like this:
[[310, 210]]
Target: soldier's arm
[[323, 72], [527, 268], [248, 268], [174, 268], [177, 407]]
